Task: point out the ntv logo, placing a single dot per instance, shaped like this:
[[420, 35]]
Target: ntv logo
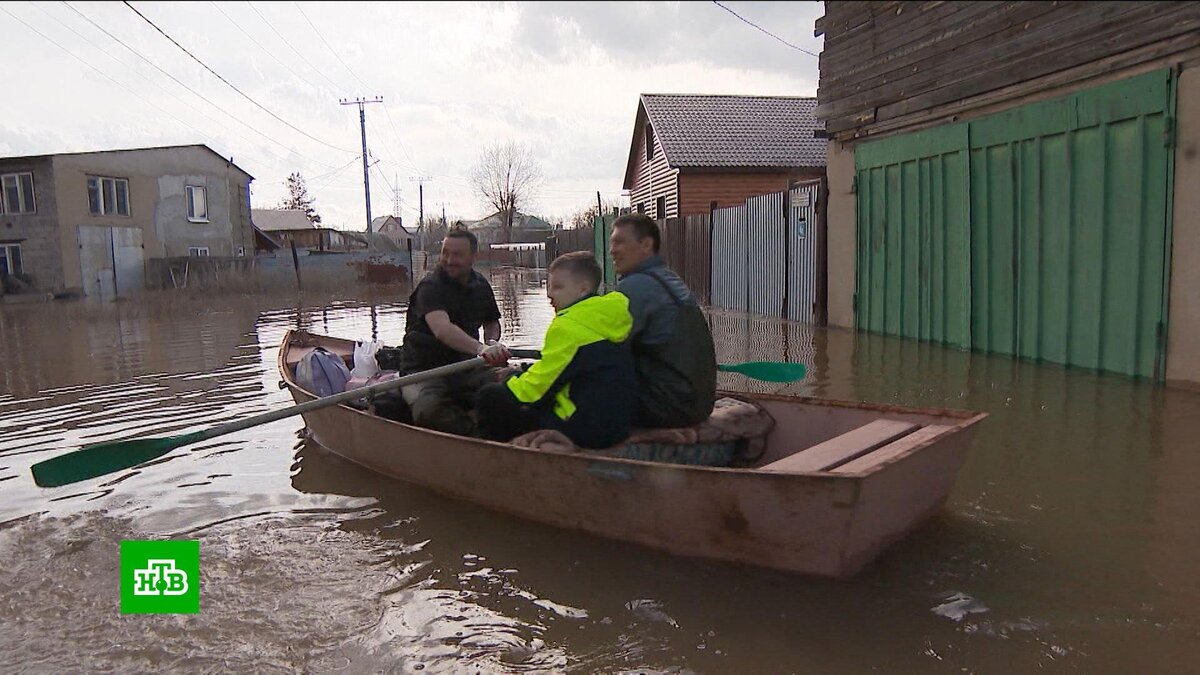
[[160, 577]]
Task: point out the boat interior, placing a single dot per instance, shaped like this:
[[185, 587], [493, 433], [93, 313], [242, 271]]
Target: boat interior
[[809, 435]]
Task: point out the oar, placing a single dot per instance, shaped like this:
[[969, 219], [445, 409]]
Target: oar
[[102, 458], [767, 371]]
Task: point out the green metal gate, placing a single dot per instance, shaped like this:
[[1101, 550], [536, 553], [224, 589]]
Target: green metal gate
[[1040, 232]]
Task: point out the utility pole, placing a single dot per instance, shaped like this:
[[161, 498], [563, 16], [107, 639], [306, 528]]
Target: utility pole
[[362, 121], [420, 180], [396, 201]]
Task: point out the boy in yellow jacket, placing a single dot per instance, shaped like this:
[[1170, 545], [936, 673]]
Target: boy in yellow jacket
[[584, 384]]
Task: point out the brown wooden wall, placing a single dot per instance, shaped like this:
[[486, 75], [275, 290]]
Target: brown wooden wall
[[698, 190], [654, 179], [887, 63]]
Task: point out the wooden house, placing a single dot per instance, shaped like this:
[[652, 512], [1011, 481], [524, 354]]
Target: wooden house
[[691, 151]]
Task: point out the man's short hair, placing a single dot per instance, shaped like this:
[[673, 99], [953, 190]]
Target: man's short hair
[[581, 265], [642, 225], [464, 233]]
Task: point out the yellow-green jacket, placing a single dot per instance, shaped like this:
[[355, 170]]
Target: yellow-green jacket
[[584, 384]]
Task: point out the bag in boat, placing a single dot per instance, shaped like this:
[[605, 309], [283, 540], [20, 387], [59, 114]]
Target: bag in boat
[[322, 372], [365, 365]]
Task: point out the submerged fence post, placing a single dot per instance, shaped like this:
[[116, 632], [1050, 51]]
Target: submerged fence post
[[296, 263]]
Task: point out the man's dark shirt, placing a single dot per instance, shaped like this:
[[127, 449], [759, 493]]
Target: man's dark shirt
[[469, 306]]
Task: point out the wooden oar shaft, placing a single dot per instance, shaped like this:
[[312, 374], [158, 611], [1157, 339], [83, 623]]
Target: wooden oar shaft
[[350, 395]]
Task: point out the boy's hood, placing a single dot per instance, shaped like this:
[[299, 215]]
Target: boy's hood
[[605, 315]]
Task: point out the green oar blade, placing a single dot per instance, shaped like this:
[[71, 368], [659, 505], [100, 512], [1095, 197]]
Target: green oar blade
[[101, 458], [767, 371]]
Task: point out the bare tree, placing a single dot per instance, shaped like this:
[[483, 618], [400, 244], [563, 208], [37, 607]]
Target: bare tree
[[506, 178], [586, 217]]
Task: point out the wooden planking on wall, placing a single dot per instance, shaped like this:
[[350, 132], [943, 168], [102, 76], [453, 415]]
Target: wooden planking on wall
[[880, 65], [654, 179], [911, 57], [1020, 36]]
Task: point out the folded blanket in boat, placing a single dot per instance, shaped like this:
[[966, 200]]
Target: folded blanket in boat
[[736, 430]]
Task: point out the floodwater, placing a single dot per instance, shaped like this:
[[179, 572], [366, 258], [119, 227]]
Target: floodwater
[[1070, 543]]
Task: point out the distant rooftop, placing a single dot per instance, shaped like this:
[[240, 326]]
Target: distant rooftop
[[274, 220]]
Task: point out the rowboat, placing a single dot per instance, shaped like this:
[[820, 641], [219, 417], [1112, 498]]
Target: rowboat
[[837, 484]]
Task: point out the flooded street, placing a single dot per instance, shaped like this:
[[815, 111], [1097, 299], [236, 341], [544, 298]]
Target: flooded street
[[1070, 543]]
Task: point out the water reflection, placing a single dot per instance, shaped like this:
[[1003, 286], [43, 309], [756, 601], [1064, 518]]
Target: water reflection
[[1069, 542]]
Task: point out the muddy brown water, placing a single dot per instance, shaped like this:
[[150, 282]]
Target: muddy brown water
[[1070, 543]]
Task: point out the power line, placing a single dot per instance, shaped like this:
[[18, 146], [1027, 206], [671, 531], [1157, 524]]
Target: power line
[[166, 91], [100, 72], [260, 45], [391, 124], [202, 97], [330, 175], [396, 135], [764, 30], [229, 84], [336, 55], [292, 47]]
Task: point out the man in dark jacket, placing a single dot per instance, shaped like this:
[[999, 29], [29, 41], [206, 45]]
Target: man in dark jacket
[[672, 344], [445, 314]]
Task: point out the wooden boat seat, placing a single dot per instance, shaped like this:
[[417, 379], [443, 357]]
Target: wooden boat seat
[[892, 450], [841, 449]]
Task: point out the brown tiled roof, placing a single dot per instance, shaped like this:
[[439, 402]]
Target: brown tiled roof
[[709, 131]]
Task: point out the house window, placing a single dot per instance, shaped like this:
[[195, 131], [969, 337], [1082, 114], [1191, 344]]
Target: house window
[[16, 193], [197, 204], [10, 259], [241, 250], [660, 207], [642, 207], [108, 196], [198, 251], [649, 142]]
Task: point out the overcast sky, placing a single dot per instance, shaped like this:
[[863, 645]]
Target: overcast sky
[[562, 77]]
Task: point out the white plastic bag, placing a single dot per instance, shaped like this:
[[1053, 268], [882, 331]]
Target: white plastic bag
[[365, 365]]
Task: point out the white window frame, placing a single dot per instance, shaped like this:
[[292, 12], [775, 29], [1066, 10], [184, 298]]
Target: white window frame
[[5, 250], [190, 203], [5, 207], [105, 208], [198, 251]]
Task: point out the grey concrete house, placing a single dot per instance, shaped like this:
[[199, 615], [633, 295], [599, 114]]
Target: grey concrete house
[[87, 222]]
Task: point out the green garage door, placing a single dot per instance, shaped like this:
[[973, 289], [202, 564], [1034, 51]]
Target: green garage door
[[1040, 232]]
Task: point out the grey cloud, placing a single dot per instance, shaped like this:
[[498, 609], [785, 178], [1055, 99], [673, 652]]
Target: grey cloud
[[651, 33]]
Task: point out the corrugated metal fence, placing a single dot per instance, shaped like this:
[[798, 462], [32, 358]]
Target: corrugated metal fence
[[730, 258], [766, 283], [766, 256], [806, 254]]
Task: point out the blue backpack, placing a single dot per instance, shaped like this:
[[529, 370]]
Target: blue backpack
[[322, 372]]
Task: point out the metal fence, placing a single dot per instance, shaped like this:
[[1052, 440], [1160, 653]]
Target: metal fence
[[687, 249], [766, 256], [766, 282], [807, 280], [730, 255]]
